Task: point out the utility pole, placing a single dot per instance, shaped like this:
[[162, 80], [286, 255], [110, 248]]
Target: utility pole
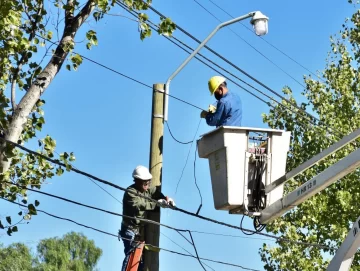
[[152, 232]]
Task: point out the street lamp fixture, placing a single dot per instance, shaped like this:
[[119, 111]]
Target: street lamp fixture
[[260, 24]]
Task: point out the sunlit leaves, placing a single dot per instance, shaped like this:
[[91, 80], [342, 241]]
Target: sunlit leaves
[[335, 100]]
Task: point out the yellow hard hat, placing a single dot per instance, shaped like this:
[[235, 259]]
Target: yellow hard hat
[[215, 82]]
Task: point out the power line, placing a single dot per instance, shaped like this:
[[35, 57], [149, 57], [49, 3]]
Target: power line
[[249, 44], [269, 43], [233, 236], [308, 119], [114, 235], [183, 248], [96, 208], [62, 218], [99, 186], [123, 75], [201, 199], [197, 255], [178, 141], [187, 158], [153, 26], [57, 162], [110, 212], [251, 77]]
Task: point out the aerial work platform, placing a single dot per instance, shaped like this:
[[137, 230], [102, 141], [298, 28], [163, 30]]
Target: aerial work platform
[[242, 162]]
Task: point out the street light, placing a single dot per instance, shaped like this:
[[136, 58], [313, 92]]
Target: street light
[[260, 24]]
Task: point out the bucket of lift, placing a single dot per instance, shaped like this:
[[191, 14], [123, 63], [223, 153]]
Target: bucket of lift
[[242, 162]]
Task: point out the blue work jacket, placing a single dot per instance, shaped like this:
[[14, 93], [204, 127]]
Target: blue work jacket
[[228, 111]]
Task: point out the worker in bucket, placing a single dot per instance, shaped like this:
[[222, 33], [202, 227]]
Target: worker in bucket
[[134, 205], [228, 109]]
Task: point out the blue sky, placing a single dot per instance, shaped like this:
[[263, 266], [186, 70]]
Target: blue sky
[[105, 119]]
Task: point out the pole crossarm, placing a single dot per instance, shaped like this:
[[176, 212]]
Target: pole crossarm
[[345, 254], [333, 173], [317, 158]]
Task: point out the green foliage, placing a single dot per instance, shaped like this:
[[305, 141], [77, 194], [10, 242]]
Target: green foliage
[[72, 252], [325, 218], [28, 47], [15, 257]]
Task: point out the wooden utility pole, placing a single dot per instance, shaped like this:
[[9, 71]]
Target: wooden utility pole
[[152, 232]]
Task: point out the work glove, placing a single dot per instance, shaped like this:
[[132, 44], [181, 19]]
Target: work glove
[[163, 203], [212, 108], [171, 202], [203, 114]]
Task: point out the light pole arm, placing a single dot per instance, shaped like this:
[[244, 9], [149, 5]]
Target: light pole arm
[[167, 85]]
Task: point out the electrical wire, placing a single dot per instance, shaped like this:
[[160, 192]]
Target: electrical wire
[[114, 235], [187, 158], [253, 47], [99, 186], [98, 209], [153, 26], [126, 76], [232, 236], [183, 248], [310, 116], [178, 141], [201, 199], [196, 252], [112, 213], [269, 43], [308, 119], [311, 121], [57, 162]]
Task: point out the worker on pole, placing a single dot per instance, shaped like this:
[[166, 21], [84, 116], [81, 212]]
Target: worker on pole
[[228, 110], [135, 205]]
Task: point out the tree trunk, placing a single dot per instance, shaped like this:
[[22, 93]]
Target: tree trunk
[[43, 80]]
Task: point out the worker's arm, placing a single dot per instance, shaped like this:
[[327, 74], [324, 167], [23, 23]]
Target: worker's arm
[[156, 193], [162, 200], [138, 203], [213, 119]]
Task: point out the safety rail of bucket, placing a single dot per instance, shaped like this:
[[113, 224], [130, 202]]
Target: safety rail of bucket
[[242, 161]]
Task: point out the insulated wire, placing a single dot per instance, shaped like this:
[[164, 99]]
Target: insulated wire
[[308, 118], [269, 43], [251, 77], [187, 158], [57, 162], [253, 47], [114, 235]]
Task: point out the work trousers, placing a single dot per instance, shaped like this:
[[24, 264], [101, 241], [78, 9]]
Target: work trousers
[[128, 237]]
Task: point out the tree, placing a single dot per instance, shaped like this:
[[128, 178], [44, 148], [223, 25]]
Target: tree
[[26, 40], [325, 218], [71, 252], [15, 257]]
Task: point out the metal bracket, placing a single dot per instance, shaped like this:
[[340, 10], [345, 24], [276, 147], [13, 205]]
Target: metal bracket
[[158, 116]]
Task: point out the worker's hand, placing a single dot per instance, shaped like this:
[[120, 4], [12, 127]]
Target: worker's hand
[[163, 203], [171, 202], [212, 108], [203, 114]]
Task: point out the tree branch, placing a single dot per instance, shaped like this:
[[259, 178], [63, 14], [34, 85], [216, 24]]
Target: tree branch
[[43, 80], [84, 13], [23, 58], [13, 89], [69, 12]]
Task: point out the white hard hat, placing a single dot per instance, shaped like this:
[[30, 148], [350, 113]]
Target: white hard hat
[[142, 173]]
